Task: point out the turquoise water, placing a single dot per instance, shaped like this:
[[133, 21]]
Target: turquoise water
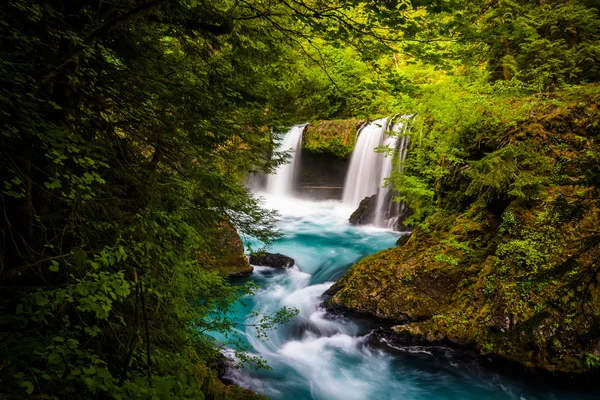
[[318, 356]]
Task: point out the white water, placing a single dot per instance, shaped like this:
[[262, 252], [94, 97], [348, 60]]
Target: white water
[[365, 164], [327, 357], [388, 211], [316, 356], [281, 183], [369, 170], [384, 173]]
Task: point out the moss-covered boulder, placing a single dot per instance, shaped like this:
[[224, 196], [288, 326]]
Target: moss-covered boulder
[[509, 262], [227, 258], [335, 137]]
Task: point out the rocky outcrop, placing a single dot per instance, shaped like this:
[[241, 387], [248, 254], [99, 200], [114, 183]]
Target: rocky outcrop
[[504, 269], [402, 239], [387, 287], [336, 137], [365, 213], [274, 260], [437, 294], [227, 257]]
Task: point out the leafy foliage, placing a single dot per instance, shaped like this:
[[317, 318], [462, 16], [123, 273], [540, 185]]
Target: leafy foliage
[[126, 128]]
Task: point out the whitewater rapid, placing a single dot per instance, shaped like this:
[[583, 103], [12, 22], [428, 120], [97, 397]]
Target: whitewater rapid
[[322, 356]]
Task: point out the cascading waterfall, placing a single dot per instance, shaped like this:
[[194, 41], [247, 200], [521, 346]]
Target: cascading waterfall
[[369, 169], [328, 357], [281, 183], [365, 164], [388, 211]]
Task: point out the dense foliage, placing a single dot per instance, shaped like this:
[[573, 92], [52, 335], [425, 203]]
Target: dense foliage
[[127, 128], [504, 255]]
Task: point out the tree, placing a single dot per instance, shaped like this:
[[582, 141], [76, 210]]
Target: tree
[[126, 130]]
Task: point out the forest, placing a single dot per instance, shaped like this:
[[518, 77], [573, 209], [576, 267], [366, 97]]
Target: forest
[[129, 130]]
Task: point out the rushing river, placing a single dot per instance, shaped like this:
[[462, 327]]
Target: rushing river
[[318, 356]]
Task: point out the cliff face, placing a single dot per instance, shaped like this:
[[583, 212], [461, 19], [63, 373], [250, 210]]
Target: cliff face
[[336, 137], [508, 263]]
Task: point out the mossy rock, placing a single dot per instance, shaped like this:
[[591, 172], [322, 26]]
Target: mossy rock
[[228, 257], [335, 137], [502, 273]]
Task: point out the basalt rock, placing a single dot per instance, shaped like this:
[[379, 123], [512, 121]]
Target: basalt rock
[[274, 260], [402, 239], [365, 213], [367, 209]]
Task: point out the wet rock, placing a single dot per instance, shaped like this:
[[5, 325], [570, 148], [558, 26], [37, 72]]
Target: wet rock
[[274, 260], [412, 335], [367, 209], [403, 213], [331, 291], [402, 239], [365, 213]]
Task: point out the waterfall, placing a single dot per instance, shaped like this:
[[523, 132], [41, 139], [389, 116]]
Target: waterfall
[[369, 171], [365, 164], [384, 191], [387, 211], [281, 183]]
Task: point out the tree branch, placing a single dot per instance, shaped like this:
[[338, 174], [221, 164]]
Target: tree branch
[[103, 30]]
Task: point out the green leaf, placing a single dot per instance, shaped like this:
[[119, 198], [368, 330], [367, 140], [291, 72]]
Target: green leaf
[[28, 386], [54, 266], [54, 184]]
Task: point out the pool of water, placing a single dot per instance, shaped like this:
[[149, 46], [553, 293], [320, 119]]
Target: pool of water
[[321, 356]]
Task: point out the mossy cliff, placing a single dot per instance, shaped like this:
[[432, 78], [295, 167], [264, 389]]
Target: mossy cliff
[[506, 257], [336, 137]]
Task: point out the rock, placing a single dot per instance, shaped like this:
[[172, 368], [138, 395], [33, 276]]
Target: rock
[[274, 260], [227, 257], [402, 239], [332, 290], [403, 213], [365, 213]]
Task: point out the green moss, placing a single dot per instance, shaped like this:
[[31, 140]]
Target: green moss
[[227, 258], [336, 137], [504, 269], [214, 389]]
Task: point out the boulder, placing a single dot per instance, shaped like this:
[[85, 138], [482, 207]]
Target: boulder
[[402, 239], [274, 260], [365, 213], [226, 255]]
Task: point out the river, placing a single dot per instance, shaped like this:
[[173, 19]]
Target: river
[[321, 356]]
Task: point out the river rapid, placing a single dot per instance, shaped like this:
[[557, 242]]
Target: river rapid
[[322, 356]]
